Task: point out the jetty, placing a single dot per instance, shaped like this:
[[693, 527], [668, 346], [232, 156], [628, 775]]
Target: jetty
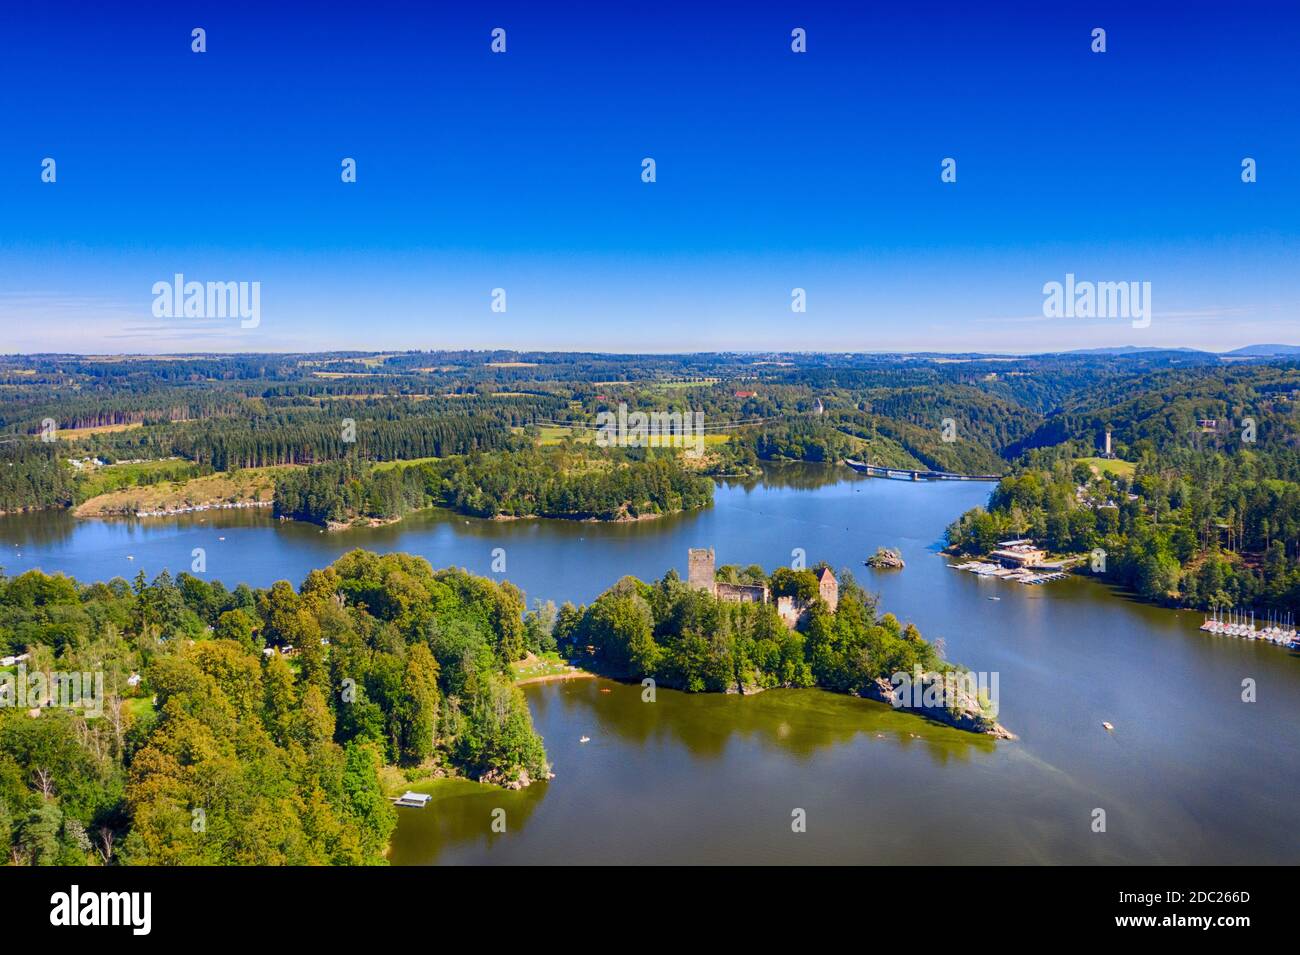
[[1278, 628], [1021, 575], [412, 800], [904, 474], [1019, 560]]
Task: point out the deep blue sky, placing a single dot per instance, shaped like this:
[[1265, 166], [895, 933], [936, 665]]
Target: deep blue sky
[[775, 170]]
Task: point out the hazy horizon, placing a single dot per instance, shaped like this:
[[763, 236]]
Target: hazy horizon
[[589, 351]]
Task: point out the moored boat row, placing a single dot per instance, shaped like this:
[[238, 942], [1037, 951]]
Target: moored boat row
[[1278, 629]]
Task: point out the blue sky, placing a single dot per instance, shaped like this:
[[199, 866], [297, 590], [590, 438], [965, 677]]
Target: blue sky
[[775, 170]]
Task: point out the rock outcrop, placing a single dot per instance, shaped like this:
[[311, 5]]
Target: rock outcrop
[[955, 706]]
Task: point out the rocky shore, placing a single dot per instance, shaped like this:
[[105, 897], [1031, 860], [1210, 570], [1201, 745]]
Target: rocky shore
[[963, 711]]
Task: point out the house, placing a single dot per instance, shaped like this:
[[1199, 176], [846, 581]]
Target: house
[[133, 680], [1209, 424], [1018, 553]]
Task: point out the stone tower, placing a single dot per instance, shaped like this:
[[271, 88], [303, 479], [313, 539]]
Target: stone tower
[[829, 588], [699, 568]]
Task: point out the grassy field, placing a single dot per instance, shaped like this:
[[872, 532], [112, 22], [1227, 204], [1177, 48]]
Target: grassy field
[[678, 385], [140, 707], [114, 476], [251, 484], [552, 435], [403, 463], [532, 667], [1112, 466], [72, 434]]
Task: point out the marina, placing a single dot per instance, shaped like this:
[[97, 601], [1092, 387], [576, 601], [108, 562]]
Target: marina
[[1019, 560], [1022, 575], [1278, 629]]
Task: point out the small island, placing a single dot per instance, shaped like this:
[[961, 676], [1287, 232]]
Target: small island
[[734, 630], [885, 558]]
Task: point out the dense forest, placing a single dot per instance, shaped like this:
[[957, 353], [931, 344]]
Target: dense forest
[[225, 753], [1201, 508]]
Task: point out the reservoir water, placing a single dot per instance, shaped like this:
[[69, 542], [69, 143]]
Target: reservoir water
[[1191, 773]]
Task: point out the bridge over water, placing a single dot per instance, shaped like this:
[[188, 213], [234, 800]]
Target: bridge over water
[[904, 474]]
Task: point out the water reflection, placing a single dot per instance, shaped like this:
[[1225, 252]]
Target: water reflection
[[795, 722], [461, 813]]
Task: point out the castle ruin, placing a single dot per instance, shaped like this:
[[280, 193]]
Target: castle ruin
[[701, 574]]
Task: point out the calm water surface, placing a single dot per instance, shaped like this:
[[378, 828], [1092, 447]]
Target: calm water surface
[[1191, 774]]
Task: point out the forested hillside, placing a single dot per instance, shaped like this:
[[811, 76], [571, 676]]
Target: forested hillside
[[573, 484], [225, 754], [1210, 514]]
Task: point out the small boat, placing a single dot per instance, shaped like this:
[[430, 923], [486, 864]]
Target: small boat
[[585, 739], [995, 598], [1108, 726], [130, 557]]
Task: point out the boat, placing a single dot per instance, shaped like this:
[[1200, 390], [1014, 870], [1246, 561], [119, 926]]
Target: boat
[[585, 739], [1108, 727]]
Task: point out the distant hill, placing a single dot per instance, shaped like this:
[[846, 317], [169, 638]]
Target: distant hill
[[1264, 351], [1129, 350]]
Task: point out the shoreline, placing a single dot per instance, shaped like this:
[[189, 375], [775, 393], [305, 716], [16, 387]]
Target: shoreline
[[558, 677], [967, 719]]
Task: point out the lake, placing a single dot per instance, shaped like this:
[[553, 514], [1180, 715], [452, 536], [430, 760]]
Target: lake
[[1191, 774]]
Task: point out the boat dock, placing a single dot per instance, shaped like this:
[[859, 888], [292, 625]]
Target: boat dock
[[903, 474], [412, 800], [1022, 575]]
